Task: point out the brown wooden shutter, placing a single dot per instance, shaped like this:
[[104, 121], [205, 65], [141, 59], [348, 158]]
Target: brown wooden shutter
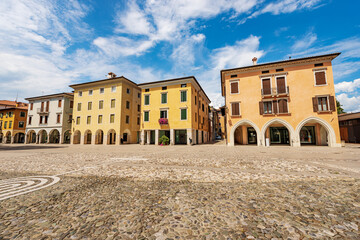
[[42, 107], [261, 108], [47, 106], [280, 83], [59, 103], [234, 87], [332, 103], [281, 106], [320, 78], [285, 107], [315, 104], [275, 107], [266, 86], [235, 111]]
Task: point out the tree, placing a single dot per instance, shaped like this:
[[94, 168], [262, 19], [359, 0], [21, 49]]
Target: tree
[[339, 107]]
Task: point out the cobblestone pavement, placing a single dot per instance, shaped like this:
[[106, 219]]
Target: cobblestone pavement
[[181, 192]]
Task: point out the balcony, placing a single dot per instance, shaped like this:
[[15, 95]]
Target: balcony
[[271, 92], [163, 121], [42, 111]]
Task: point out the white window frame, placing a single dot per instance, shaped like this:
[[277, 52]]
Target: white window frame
[[102, 119], [114, 102], [78, 117], [87, 120], [103, 89], [287, 103], [80, 93], [262, 87], [280, 75], [128, 90], [23, 124], [167, 112], [327, 102], [238, 82], [113, 88], [320, 70], [102, 104], [110, 118], [148, 111], [186, 95], [186, 113], [166, 97], [92, 91], [232, 111], [145, 98], [272, 107]]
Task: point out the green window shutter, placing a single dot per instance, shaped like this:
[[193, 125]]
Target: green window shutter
[[164, 98], [147, 100], [146, 116], [183, 96], [183, 114]]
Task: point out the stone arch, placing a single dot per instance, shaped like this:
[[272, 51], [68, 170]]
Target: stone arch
[[8, 137], [126, 136], [99, 136], [111, 137], [87, 137], [42, 136], [331, 136], [31, 136], [292, 135], [66, 137], [54, 136], [244, 122], [19, 137], [77, 137]]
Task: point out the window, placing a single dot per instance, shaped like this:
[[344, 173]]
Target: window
[[22, 114], [267, 107], [318, 64], [112, 105], [128, 90], [139, 95], [138, 107], [195, 100], [42, 107], [10, 114], [164, 98], [127, 105], [1, 115], [164, 88], [70, 119], [58, 116], [195, 117], [283, 108], [89, 105], [146, 116], [21, 124], [266, 71], [113, 89], [322, 104], [234, 87], [320, 78], [71, 104], [79, 107], [183, 114], [90, 92], [31, 106], [183, 96], [203, 108], [203, 120], [163, 113], [5, 125], [147, 90], [88, 120], [183, 85], [279, 70], [30, 119], [100, 119], [138, 120], [266, 86], [235, 109], [102, 90], [147, 100], [112, 118], [101, 104], [59, 103], [41, 119], [281, 84], [80, 93], [77, 120], [127, 119], [233, 76], [47, 106], [46, 119]]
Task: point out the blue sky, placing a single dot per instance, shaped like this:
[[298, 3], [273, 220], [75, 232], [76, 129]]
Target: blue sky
[[47, 45]]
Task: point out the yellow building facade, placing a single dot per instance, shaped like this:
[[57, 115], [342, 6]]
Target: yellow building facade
[[106, 111], [289, 102], [13, 122], [177, 108]]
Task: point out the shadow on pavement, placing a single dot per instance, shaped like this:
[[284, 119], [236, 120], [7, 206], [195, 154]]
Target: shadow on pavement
[[27, 147]]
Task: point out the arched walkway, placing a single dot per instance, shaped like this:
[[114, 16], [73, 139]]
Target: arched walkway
[[111, 137], [77, 136], [277, 131], [87, 137], [54, 136], [245, 132], [67, 137], [126, 136], [19, 138], [1, 137], [42, 136], [31, 137], [316, 131], [8, 137], [99, 136]]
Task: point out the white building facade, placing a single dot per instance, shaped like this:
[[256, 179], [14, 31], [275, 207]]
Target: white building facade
[[49, 119]]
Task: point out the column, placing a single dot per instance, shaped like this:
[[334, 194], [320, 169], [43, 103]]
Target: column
[[172, 137], [93, 139], [26, 138], [142, 137], [82, 139], [105, 139], [148, 135], [267, 135], [12, 139], [60, 138], [157, 137], [318, 134], [244, 135], [189, 136]]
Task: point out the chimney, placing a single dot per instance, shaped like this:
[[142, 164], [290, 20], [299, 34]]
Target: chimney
[[111, 75], [254, 60]]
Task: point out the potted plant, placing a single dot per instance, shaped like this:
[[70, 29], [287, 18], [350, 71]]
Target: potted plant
[[164, 140]]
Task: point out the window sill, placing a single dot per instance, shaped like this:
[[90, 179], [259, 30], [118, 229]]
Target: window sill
[[324, 112], [269, 115], [236, 116], [284, 114]]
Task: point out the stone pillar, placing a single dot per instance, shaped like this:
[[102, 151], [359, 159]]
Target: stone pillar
[[60, 138], [26, 138], [148, 135], [82, 138], [12, 139], [93, 137], [172, 137], [142, 137], [104, 139], [189, 136], [244, 135], [157, 137], [318, 134]]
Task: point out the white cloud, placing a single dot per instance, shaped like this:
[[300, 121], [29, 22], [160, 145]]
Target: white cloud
[[350, 104], [348, 86], [305, 42]]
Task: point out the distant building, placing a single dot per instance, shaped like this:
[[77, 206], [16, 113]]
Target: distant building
[[350, 127], [106, 111], [289, 102], [177, 108], [214, 123], [49, 118], [222, 122], [12, 121]]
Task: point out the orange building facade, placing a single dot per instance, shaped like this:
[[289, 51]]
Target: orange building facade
[[12, 121]]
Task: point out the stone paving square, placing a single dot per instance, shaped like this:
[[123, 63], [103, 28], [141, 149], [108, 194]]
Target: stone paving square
[[179, 192]]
